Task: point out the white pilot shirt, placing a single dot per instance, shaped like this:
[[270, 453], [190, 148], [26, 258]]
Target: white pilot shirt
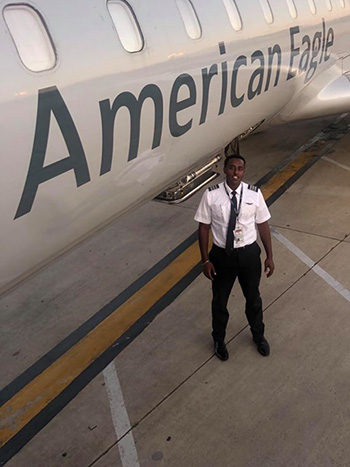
[[215, 209]]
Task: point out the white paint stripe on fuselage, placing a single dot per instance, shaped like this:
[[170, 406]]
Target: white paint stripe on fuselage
[[121, 422], [309, 262]]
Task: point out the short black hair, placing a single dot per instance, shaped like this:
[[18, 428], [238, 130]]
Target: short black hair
[[234, 156]]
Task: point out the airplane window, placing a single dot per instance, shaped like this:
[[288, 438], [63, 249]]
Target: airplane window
[[329, 5], [31, 37], [233, 14], [126, 25], [312, 6], [267, 11], [342, 3], [292, 9], [189, 18]]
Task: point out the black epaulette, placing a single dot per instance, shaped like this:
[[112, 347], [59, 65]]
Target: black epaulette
[[253, 187], [213, 187]]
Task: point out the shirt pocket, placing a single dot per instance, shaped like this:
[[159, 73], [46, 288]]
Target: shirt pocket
[[248, 211], [219, 213]]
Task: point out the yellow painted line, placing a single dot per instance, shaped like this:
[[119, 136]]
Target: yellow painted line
[[34, 397], [280, 178]]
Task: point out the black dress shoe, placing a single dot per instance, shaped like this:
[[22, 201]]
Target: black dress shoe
[[263, 346], [220, 350]]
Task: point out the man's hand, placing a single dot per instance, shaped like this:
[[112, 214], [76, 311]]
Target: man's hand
[[209, 270], [269, 267]]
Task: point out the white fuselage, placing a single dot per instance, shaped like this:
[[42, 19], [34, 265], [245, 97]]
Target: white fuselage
[[106, 129]]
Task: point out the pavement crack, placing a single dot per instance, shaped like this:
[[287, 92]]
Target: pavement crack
[[291, 229]]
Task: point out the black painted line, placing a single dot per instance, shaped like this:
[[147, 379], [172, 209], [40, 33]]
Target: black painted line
[[333, 131], [17, 442], [44, 362], [283, 188]]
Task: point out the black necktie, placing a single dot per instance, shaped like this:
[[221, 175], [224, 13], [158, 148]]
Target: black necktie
[[231, 224]]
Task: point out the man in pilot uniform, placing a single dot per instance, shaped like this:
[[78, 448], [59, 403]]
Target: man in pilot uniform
[[233, 210]]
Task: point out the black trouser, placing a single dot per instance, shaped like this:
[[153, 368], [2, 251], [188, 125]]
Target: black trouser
[[245, 264]]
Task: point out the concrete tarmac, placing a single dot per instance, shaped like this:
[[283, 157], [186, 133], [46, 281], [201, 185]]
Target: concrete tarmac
[[186, 407]]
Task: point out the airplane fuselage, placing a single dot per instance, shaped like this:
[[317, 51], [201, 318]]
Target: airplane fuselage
[[104, 129]]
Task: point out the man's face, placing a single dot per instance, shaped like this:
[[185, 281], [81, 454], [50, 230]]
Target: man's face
[[234, 172]]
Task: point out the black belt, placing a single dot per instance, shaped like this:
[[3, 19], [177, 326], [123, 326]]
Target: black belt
[[245, 247]]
